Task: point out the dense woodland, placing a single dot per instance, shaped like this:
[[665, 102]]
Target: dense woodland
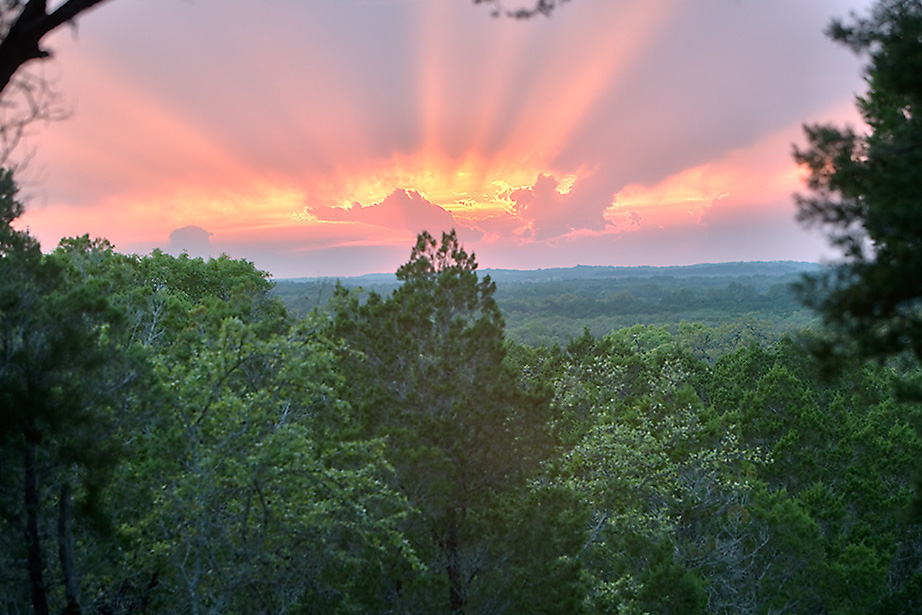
[[552, 306], [174, 439]]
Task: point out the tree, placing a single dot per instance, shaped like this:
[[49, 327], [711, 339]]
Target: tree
[[867, 192], [428, 371], [748, 485], [665, 478], [26, 97], [57, 397], [238, 482], [241, 492]]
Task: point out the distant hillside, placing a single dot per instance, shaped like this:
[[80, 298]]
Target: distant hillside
[[547, 306], [590, 272], [586, 272]]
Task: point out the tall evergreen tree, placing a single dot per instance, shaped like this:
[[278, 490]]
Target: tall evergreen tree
[[428, 372], [867, 190]]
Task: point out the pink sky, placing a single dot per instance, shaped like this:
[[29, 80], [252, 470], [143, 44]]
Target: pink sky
[[317, 138]]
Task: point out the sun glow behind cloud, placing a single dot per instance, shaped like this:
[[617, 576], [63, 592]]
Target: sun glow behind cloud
[[348, 124]]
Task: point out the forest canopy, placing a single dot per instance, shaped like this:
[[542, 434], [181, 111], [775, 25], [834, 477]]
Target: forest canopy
[[175, 441]]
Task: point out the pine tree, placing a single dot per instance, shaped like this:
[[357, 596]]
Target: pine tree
[[428, 372], [867, 192]]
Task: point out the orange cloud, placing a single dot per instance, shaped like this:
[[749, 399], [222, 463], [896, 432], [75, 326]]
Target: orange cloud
[[550, 212], [741, 179], [402, 209]]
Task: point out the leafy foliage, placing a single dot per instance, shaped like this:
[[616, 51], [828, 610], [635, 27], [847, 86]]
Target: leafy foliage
[[430, 374], [745, 485]]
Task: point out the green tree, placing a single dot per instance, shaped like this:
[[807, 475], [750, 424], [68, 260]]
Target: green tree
[[60, 384], [841, 453], [746, 485], [866, 191], [237, 487], [175, 397], [428, 371], [666, 480], [244, 494]]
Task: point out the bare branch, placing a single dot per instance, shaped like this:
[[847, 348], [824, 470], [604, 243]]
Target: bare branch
[[28, 99]]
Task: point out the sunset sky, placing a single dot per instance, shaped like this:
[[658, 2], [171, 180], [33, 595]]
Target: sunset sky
[[316, 138]]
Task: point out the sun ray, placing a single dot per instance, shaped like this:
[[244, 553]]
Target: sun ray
[[505, 59], [433, 56], [579, 76]]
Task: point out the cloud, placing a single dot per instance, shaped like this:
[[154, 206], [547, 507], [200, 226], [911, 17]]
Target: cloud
[[193, 240], [401, 209], [430, 115], [547, 211]]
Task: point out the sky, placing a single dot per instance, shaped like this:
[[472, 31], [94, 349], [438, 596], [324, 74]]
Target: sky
[[317, 138]]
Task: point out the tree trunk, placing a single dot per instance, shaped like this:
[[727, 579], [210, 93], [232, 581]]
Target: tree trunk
[[456, 593], [37, 583], [145, 597], [66, 550]]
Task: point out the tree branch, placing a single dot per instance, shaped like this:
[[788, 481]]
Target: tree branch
[[22, 42]]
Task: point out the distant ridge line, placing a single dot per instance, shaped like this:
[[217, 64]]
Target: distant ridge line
[[583, 272]]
